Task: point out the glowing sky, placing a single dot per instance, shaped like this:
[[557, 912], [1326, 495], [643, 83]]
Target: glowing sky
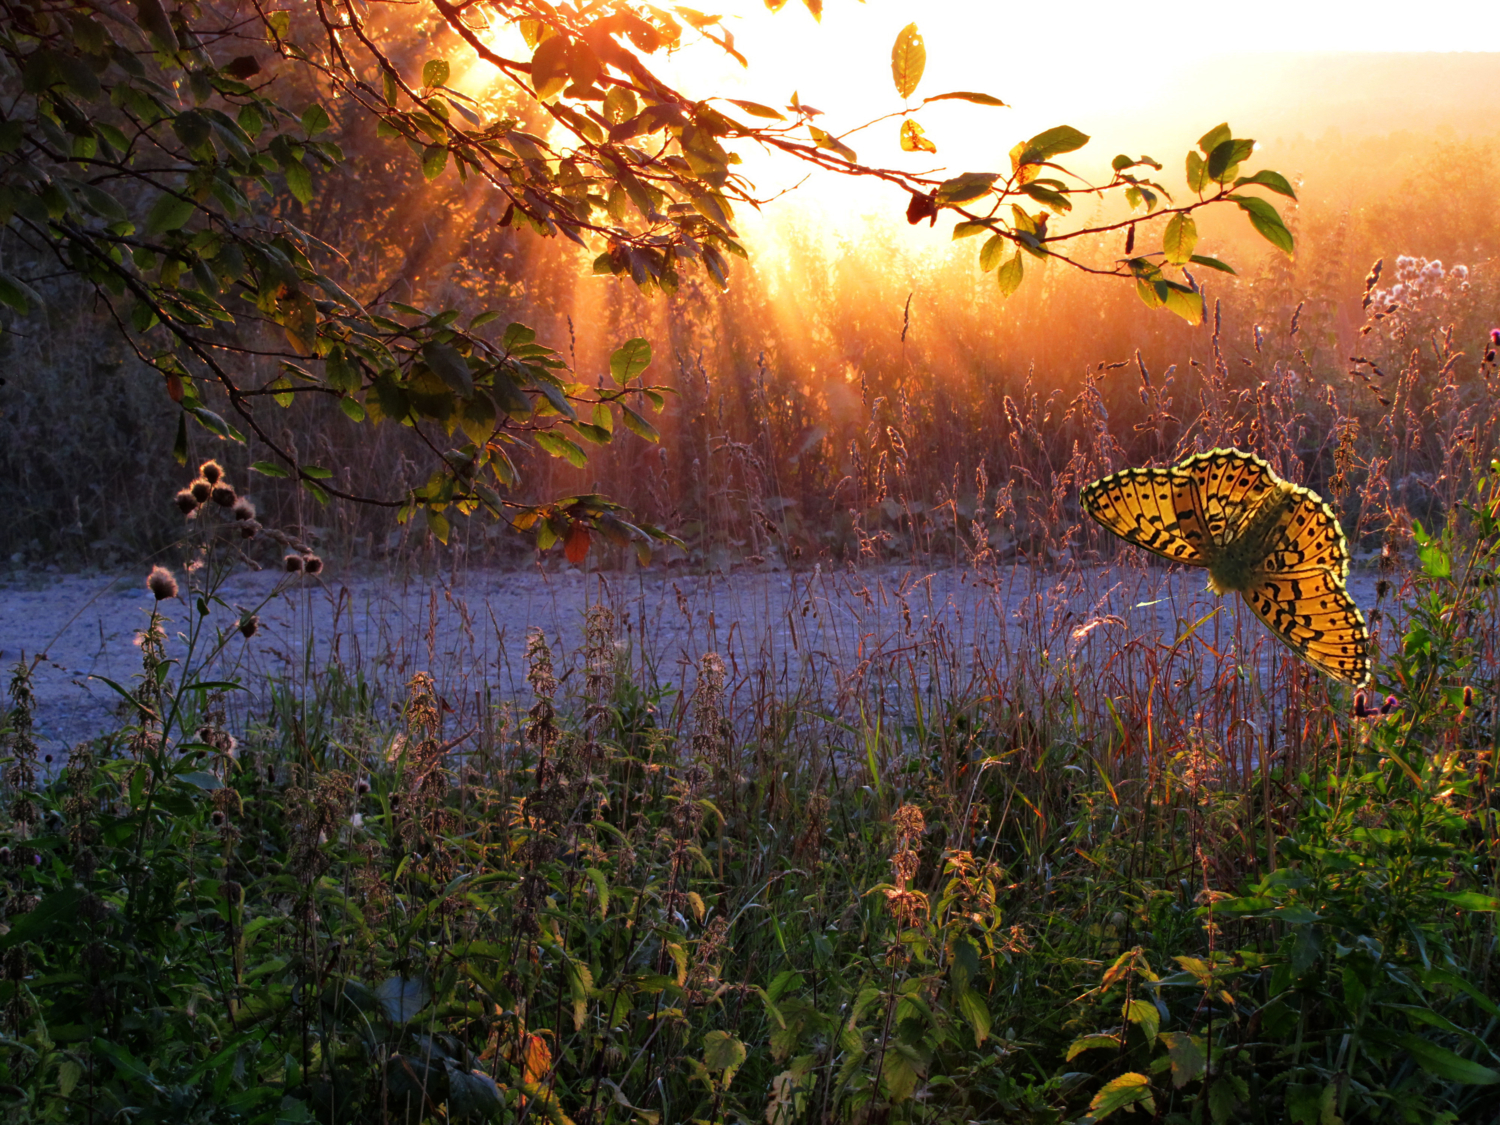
[[1126, 74]]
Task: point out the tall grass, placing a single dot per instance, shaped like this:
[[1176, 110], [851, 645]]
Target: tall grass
[[1087, 849]]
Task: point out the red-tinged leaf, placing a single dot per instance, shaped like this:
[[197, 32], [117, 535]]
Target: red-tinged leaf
[[174, 386], [576, 546]]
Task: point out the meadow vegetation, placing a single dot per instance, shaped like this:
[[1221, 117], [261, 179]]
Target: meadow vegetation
[[1085, 874]]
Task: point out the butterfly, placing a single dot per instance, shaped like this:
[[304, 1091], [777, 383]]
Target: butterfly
[[1275, 542]]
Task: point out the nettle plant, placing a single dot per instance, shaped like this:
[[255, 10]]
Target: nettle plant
[[172, 162]]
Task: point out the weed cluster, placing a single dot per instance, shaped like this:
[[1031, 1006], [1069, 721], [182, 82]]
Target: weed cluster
[[645, 908]]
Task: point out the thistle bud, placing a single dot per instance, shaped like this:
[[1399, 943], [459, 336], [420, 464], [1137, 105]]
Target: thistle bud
[[211, 471], [312, 564], [201, 490], [293, 564], [161, 583], [224, 496], [186, 501], [249, 626], [243, 509]]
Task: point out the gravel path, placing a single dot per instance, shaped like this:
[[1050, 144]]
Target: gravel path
[[831, 637]]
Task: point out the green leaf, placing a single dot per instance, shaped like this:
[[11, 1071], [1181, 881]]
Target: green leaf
[[1267, 222], [1182, 301], [1053, 142], [1214, 138], [1127, 1090], [1186, 1054], [970, 227], [1212, 263], [449, 366], [56, 908], [315, 119], [977, 1012], [1092, 1042], [969, 186], [1227, 157], [1144, 1015], [352, 408], [722, 1051], [1471, 900], [965, 96], [638, 425], [299, 181], [1268, 179], [1010, 275], [180, 446], [908, 60], [215, 424], [1197, 173], [268, 469], [17, 294], [629, 360], [563, 448], [153, 17], [168, 213], [437, 523], [1179, 238], [317, 472], [435, 73], [402, 998], [434, 160]]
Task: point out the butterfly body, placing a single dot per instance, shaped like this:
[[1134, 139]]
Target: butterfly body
[[1276, 543]]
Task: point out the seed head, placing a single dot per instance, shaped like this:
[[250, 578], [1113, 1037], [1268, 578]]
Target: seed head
[[361, 787], [201, 490], [161, 583], [217, 818], [249, 626], [312, 564], [243, 509], [224, 496], [1361, 705], [186, 501], [249, 529], [211, 471], [293, 564], [1468, 696]]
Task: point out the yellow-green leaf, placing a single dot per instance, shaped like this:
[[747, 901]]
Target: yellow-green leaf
[[1179, 238], [549, 67], [991, 253], [1127, 1090], [1010, 275]]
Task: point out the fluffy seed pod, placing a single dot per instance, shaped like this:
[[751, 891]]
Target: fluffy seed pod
[[201, 490], [249, 528], [186, 501], [243, 509], [211, 471], [293, 564], [161, 583], [224, 496], [312, 564], [249, 626]]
